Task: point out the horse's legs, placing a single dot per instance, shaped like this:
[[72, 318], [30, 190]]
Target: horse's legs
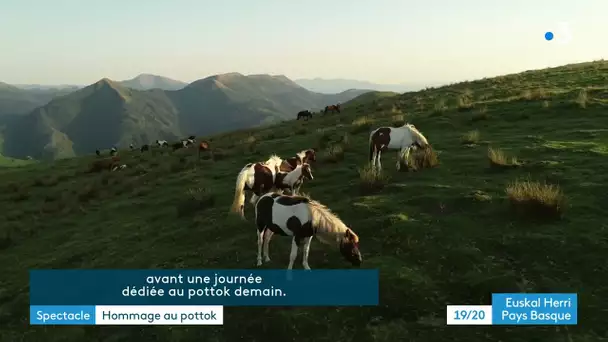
[[406, 155], [267, 236], [294, 253], [306, 252], [260, 242], [400, 157]]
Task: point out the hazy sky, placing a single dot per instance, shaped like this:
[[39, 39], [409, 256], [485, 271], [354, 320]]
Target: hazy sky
[[384, 41]]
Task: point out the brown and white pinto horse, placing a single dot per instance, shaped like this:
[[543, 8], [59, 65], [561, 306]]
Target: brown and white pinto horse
[[305, 156], [394, 138], [332, 108], [258, 178]]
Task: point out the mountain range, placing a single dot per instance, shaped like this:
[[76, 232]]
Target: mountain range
[[58, 122], [332, 86]]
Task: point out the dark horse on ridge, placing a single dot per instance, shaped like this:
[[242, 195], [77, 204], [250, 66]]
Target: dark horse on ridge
[[332, 108], [305, 114]]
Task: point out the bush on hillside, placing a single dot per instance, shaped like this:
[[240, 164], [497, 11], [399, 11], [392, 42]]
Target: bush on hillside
[[482, 114], [371, 180], [361, 124], [499, 160], [465, 101], [197, 199], [470, 138], [334, 153], [534, 199], [421, 158], [440, 107], [582, 98], [398, 120]]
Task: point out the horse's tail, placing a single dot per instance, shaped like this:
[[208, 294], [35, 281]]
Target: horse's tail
[[371, 146], [239, 192]]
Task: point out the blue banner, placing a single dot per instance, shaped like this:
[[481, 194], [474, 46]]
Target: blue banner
[[534, 309], [204, 287]]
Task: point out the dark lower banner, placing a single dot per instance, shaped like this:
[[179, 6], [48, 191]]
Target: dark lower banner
[[204, 287]]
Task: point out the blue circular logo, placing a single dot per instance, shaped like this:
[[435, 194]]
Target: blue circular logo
[[549, 35]]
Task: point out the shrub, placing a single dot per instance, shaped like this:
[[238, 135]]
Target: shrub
[[197, 199], [582, 99], [470, 138], [536, 199], [440, 107], [482, 114], [334, 153], [498, 159], [465, 101], [361, 124], [422, 158], [371, 180], [398, 120]]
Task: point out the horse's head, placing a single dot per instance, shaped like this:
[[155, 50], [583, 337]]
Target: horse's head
[[349, 247], [418, 139], [310, 155], [306, 171]]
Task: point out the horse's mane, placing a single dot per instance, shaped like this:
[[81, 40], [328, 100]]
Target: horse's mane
[[325, 222], [415, 131], [274, 161]]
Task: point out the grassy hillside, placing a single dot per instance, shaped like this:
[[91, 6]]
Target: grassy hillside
[[108, 113], [440, 236]]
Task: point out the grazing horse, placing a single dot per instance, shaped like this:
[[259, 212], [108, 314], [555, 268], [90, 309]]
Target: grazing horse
[[131, 147], [305, 114], [104, 164], [302, 218], [192, 137], [202, 146], [113, 151], [162, 143], [391, 138], [305, 156], [145, 147], [258, 178], [98, 153], [332, 108], [293, 180]]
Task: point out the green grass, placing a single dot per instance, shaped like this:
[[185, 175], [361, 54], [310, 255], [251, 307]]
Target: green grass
[[452, 234]]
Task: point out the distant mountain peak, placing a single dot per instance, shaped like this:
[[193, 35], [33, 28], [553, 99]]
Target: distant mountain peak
[[147, 81]]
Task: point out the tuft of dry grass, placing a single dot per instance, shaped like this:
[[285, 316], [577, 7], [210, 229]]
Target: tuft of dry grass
[[546, 104], [535, 199], [371, 180], [470, 138], [361, 124], [197, 199], [440, 107], [465, 101], [422, 158], [398, 120], [582, 99], [499, 160], [334, 153], [534, 94], [482, 114]]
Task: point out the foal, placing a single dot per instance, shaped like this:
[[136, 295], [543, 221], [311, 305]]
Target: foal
[[293, 180], [302, 218]]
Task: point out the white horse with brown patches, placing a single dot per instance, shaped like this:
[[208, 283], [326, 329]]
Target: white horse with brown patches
[[258, 178], [302, 218], [394, 138]]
